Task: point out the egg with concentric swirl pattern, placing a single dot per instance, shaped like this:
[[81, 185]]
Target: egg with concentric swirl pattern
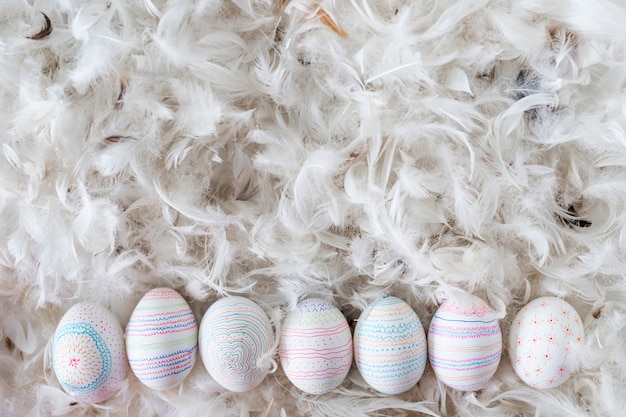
[[235, 338]]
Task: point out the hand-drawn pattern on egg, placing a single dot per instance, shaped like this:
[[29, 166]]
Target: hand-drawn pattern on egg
[[390, 346], [316, 346], [464, 343], [235, 338], [541, 339], [88, 353], [162, 339]]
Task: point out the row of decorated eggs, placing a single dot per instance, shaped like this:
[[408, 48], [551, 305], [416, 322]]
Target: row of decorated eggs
[[235, 340]]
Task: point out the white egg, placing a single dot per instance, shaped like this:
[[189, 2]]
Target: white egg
[[390, 346], [162, 339], [235, 339], [464, 343], [540, 345], [316, 346], [88, 353]]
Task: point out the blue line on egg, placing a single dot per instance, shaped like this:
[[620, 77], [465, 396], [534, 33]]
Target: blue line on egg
[[465, 321], [83, 328]]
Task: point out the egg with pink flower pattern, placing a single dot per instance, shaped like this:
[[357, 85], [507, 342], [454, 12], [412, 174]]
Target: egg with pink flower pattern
[[542, 341]]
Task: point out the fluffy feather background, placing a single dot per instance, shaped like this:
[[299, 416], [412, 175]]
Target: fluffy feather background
[[283, 149]]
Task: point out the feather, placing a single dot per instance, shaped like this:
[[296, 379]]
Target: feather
[[110, 140], [456, 79], [520, 34], [330, 23], [45, 31], [152, 9], [20, 333], [119, 102], [451, 17]]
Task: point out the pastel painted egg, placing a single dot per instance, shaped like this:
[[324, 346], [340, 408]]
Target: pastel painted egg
[[235, 339], [316, 346], [464, 343], [390, 346], [88, 353], [161, 339], [541, 339]]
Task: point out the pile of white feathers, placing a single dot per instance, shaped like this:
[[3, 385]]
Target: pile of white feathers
[[337, 148]]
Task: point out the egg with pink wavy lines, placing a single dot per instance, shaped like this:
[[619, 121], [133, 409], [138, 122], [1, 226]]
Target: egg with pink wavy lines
[[464, 343], [316, 346], [162, 339]]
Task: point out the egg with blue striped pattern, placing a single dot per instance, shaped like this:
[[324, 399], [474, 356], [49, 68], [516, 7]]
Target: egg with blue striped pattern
[[390, 346], [235, 340], [88, 353], [464, 343], [162, 339]]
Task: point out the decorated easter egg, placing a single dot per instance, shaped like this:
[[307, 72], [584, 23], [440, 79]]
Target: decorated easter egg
[[236, 339], [316, 346], [390, 346], [161, 339], [88, 353], [464, 343], [541, 339]]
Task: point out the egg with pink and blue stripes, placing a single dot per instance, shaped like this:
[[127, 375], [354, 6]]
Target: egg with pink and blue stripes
[[464, 343], [162, 339], [316, 346], [390, 346], [236, 341]]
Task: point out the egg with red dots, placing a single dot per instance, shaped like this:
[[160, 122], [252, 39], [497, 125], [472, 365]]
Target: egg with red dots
[[88, 354], [543, 341], [316, 346]]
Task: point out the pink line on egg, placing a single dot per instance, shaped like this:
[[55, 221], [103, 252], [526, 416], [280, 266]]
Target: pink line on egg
[[139, 363], [315, 331], [139, 324], [293, 352], [320, 374], [144, 331], [311, 356], [181, 310]]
